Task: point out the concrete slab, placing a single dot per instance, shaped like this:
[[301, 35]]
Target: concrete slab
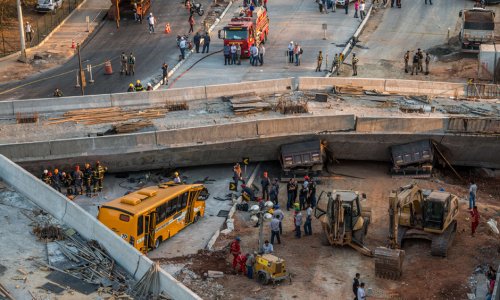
[[401, 125], [61, 104]]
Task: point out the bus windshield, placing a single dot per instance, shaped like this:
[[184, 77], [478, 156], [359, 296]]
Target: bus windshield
[[236, 35]]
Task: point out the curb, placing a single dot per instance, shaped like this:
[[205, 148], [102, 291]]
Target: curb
[[179, 64], [15, 54], [214, 237], [352, 41]]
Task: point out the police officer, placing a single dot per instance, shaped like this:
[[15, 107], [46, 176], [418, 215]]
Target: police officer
[[77, 181], [407, 59], [98, 175], [87, 179], [46, 178], [420, 60], [319, 61], [138, 86], [131, 64], [56, 180], [415, 64], [355, 61], [67, 183], [335, 64], [123, 62], [427, 61], [197, 40]]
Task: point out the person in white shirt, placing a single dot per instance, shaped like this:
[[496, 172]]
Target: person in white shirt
[[472, 194], [182, 47], [361, 291], [151, 23], [362, 12], [267, 248], [307, 224], [262, 51], [28, 32]]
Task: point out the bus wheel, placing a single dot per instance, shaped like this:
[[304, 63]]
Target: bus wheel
[[196, 218], [158, 242]]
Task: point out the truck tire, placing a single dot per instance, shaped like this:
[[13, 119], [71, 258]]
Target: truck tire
[[262, 277]]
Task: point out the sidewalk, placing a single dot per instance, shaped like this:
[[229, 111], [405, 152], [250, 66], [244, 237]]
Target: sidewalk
[[56, 48]]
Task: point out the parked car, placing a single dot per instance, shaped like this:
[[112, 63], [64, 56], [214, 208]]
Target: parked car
[[48, 5]]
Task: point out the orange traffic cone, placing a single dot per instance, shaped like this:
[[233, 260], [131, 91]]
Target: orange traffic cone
[[167, 28], [73, 46], [108, 69]]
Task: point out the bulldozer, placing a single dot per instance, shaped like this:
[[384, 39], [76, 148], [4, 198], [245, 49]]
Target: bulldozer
[[416, 213], [345, 222]]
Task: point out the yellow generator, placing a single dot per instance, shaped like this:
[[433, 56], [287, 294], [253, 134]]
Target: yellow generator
[[270, 268]]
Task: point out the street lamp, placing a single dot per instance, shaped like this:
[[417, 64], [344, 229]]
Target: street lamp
[[261, 215]]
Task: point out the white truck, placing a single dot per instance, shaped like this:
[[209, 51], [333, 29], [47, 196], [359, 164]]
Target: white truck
[[478, 27], [48, 5]]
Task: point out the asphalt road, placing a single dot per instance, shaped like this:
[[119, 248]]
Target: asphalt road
[[150, 50], [392, 31], [299, 21]]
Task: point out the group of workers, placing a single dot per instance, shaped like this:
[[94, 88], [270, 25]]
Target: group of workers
[[417, 62], [138, 87], [90, 177]]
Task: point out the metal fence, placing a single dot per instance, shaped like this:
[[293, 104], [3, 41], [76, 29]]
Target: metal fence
[[42, 26]]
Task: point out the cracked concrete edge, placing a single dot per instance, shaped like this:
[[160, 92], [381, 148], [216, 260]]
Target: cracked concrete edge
[[349, 44], [215, 236], [179, 64], [32, 49]]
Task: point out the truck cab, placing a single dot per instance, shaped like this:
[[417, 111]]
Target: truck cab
[[48, 5], [246, 29], [477, 27]]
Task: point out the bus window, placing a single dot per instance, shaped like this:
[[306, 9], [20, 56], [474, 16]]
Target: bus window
[[140, 226], [184, 200], [169, 209], [162, 212], [173, 202]]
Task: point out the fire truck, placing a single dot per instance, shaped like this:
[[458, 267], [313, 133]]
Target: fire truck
[[247, 29]]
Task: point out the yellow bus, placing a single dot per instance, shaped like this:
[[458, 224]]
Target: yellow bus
[[151, 215]]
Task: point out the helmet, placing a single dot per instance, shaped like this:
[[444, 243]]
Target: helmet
[[56, 171], [276, 206], [45, 171], [131, 85], [238, 238], [306, 177], [149, 84], [291, 42], [176, 174], [138, 81], [150, 13]]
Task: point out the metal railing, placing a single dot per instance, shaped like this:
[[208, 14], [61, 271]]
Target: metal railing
[[42, 26]]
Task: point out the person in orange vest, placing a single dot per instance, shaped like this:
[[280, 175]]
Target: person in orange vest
[[235, 250], [474, 213]]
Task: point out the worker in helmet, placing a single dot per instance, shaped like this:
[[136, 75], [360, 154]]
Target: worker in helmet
[[98, 176], [46, 178], [177, 178], [149, 87], [77, 181], [87, 179], [138, 86], [131, 88], [67, 183], [56, 180], [131, 64]]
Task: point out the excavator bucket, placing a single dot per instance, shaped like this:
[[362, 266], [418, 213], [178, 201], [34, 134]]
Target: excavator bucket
[[389, 263]]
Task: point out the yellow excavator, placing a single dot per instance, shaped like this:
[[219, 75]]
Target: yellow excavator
[[416, 213], [344, 221]]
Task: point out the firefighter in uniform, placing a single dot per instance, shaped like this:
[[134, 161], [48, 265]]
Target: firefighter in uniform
[[46, 177], [67, 183], [87, 179], [98, 175], [56, 180], [77, 181]]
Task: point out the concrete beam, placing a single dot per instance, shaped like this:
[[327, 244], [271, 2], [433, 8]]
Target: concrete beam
[[89, 227], [302, 125], [260, 87], [49, 105], [401, 125], [7, 109]]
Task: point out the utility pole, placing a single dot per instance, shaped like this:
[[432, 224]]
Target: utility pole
[[21, 31], [82, 72]]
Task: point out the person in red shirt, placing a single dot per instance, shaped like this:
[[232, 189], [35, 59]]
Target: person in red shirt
[[241, 260], [235, 250], [475, 219]]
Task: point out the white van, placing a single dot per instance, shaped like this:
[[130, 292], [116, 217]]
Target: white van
[[48, 5]]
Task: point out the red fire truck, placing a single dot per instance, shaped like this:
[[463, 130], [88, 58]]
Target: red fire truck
[[247, 29]]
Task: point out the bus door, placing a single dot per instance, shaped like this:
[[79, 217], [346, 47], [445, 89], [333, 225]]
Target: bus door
[[193, 195], [149, 225]]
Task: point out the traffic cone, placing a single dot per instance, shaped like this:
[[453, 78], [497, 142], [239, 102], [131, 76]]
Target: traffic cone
[[108, 69], [73, 46], [167, 28]]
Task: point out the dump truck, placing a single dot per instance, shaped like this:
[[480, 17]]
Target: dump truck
[[246, 29], [413, 160], [477, 27], [305, 158], [416, 213]]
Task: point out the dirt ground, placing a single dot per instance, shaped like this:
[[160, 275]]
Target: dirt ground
[[320, 272]]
